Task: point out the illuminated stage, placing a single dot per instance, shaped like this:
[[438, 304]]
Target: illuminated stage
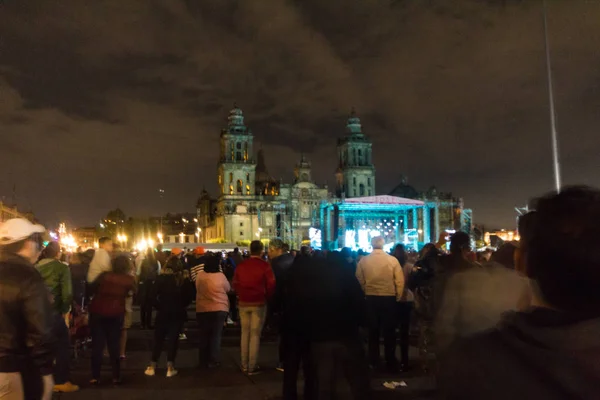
[[353, 222]]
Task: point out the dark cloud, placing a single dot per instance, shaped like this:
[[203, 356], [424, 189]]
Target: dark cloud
[[105, 102]]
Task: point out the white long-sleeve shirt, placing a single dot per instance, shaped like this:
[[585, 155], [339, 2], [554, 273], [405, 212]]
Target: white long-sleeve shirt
[[380, 274], [100, 263]]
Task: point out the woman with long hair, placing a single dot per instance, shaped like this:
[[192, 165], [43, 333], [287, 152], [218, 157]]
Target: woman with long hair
[[172, 293], [405, 306], [212, 307], [147, 276], [107, 311]]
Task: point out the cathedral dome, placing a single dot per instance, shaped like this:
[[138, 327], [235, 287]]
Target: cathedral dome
[[405, 190]]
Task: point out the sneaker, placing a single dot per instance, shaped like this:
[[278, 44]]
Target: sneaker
[[182, 336], [171, 372], [150, 371], [255, 371], [230, 321], [280, 367], [244, 370], [66, 387]]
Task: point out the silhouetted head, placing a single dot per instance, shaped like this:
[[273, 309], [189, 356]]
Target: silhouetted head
[[560, 249]]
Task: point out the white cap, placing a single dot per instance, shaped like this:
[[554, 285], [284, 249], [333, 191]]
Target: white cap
[[17, 229]]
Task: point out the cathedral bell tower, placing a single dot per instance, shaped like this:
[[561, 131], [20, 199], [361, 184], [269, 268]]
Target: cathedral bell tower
[[302, 172], [355, 176], [236, 172]]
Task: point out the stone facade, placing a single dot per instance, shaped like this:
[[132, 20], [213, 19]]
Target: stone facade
[[252, 205], [355, 176], [442, 212]]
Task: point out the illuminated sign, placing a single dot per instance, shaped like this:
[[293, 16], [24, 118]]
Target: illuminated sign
[[315, 238]]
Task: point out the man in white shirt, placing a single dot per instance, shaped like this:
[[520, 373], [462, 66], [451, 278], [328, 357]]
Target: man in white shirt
[[101, 261], [381, 278]]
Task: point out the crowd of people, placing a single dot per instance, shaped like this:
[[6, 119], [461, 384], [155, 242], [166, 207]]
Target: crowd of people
[[525, 314]]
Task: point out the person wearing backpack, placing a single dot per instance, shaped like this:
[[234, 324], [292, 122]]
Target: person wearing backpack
[[148, 273]]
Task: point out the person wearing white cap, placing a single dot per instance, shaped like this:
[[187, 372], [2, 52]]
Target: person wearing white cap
[[26, 315]]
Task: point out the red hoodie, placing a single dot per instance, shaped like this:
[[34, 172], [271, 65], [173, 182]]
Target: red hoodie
[[254, 282]]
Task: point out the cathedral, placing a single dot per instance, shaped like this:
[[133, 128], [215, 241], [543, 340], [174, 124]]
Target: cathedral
[[253, 205]]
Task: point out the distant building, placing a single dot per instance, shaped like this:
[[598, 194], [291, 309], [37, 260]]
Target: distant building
[[355, 176], [445, 212], [8, 212], [85, 237], [253, 205]]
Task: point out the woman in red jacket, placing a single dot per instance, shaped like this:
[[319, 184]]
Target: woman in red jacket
[[254, 284], [107, 310]]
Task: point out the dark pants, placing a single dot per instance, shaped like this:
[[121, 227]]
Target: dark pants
[[211, 332], [297, 351], [63, 347], [144, 294], [106, 331], [31, 379], [346, 356], [404, 313], [281, 349], [166, 329], [233, 308], [382, 320]]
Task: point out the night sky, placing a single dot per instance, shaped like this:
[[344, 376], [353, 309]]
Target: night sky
[[103, 103]]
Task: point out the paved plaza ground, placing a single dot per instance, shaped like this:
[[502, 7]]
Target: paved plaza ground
[[226, 383]]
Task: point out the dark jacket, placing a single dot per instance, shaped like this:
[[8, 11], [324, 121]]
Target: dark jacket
[[322, 301], [26, 317], [148, 270], [172, 299], [78, 278], [281, 266], [540, 354]]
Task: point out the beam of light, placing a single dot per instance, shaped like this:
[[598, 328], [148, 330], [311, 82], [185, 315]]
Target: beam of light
[[554, 133]]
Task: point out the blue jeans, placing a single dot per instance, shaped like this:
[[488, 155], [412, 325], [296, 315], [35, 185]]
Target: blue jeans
[[211, 332]]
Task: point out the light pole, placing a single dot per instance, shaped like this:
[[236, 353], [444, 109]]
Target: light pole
[[198, 229], [554, 133], [161, 195]]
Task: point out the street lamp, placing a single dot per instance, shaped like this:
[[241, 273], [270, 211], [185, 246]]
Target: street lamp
[[122, 239]]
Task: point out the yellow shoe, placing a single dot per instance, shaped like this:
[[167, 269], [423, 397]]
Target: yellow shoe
[[66, 387]]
